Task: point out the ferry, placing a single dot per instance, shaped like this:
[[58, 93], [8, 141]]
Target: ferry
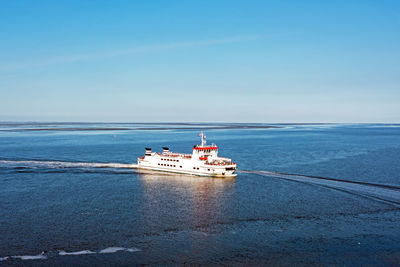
[[204, 161]]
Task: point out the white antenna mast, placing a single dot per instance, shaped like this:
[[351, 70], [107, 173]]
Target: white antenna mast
[[203, 139]]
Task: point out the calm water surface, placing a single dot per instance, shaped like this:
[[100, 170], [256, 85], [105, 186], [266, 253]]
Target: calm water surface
[[67, 198]]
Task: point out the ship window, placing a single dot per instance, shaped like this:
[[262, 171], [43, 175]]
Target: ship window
[[180, 166], [194, 168], [198, 168], [174, 165], [177, 160], [208, 169]]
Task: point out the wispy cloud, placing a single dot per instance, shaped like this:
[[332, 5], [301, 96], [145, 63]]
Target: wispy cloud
[[127, 51]]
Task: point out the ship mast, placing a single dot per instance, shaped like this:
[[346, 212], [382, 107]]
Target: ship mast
[[203, 139]]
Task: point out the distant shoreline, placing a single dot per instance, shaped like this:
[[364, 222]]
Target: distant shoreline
[[152, 126], [222, 127]]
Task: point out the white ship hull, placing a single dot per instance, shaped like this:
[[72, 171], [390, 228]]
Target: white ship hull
[[227, 175]]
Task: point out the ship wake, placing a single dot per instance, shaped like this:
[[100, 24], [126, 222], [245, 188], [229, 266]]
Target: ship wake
[[63, 166], [389, 194]]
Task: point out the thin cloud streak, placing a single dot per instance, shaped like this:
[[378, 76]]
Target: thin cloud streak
[[130, 51]]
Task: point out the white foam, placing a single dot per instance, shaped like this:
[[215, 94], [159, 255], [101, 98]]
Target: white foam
[[41, 256], [66, 164], [103, 251], [132, 250], [82, 252], [112, 249]]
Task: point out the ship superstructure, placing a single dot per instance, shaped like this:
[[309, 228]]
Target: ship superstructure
[[203, 161]]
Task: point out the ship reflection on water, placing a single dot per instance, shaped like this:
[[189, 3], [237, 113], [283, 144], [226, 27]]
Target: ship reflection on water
[[178, 202]]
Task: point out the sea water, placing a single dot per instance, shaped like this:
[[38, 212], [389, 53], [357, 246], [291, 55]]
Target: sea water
[[69, 197]]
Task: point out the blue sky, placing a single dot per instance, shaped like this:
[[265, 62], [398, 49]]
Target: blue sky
[[200, 61]]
